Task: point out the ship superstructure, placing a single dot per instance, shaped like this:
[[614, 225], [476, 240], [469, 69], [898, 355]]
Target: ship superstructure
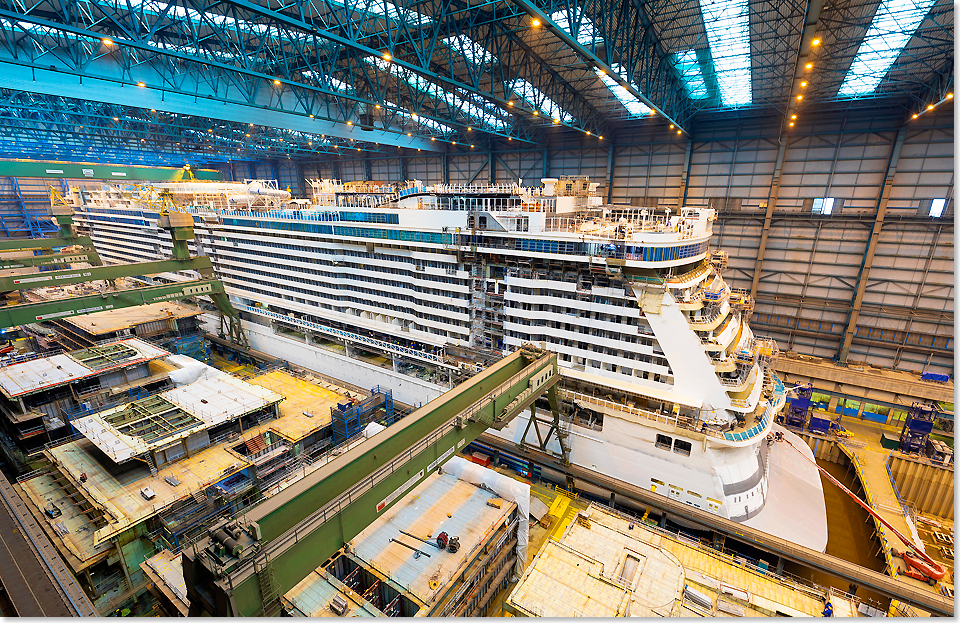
[[669, 387]]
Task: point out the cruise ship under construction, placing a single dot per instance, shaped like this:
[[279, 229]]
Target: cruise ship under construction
[[518, 342]]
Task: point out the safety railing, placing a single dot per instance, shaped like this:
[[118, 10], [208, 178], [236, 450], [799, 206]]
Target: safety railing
[[689, 275], [601, 402], [354, 337]]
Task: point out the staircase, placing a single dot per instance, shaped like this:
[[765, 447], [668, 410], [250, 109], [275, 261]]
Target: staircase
[[148, 457], [255, 444], [25, 205]]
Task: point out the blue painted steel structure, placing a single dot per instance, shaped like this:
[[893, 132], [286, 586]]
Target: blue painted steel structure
[[917, 427], [198, 80]]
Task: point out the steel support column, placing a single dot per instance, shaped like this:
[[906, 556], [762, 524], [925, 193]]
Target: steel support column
[[610, 163], [685, 174], [768, 217], [871, 250], [367, 170]]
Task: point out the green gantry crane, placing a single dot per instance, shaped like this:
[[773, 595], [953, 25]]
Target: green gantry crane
[[180, 226], [280, 541]]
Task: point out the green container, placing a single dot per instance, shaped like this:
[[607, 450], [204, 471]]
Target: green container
[[890, 442]]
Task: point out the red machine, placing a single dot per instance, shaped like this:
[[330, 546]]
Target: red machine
[[919, 565]]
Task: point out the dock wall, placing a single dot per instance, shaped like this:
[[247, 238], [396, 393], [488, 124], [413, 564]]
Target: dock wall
[[927, 486]]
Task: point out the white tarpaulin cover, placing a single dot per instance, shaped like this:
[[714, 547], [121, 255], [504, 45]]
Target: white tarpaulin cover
[[372, 429], [504, 486], [190, 370]]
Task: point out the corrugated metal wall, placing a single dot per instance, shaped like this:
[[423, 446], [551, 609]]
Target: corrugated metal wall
[[928, 487]]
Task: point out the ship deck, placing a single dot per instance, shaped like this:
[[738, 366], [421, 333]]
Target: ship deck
[[303, 397], [577, 565]]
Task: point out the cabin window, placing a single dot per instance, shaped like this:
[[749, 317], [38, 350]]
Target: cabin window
[[682, 447], [664, 442]]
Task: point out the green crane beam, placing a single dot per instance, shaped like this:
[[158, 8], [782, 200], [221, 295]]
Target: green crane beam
[[309, 521], [26, 244], [15, 315], [112, 271], [53, 259]]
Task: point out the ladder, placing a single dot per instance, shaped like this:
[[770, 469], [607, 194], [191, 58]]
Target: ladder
[[269, 589]]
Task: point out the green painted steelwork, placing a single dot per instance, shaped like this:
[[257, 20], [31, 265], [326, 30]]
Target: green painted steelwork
[[25, 244], [73, 170], [113, 271], [309, 521], [180, 226], [15, 315], [88, 256]]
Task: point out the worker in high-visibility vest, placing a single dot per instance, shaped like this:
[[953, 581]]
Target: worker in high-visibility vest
[[827, 609]]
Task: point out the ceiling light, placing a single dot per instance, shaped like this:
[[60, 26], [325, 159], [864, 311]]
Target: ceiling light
[[378, 106], [949, 96], [791, 124], [454, 142], [588, 132], [349, 122], [276, 82], [414, 116], [509, 103], [799, 97], [409, 134], [915, 115], [153, 110], [815, 42], [311, 116], [358, 149], [535, 22], [116, 118], [672, 126], [930, 107], [803, 84], [433, 138], [471, 147], [107, 42], [386, 56], [793, 116], [600, 137], [141, 84], [556, 121], [469, 129], [679, 131], [509, 138], [536, 114], [809, 65]]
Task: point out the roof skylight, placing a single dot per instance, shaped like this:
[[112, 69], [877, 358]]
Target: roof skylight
[[728, 31], [435, 91], [690, 74], [631, 103], [470, 49], [573, 22], [893, 24], [538, 100]]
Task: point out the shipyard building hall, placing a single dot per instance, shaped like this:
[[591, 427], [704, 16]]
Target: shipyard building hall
[[520, 308]]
